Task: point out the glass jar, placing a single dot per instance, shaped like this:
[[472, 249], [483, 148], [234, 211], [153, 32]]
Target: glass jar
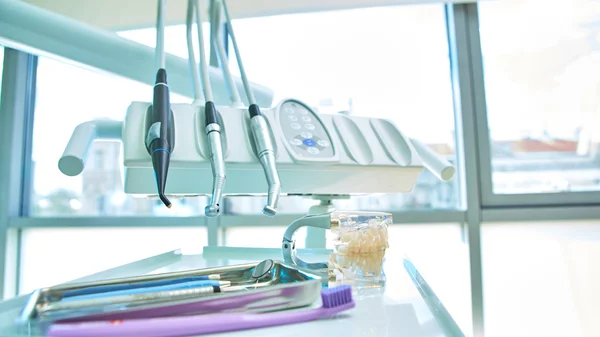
[[359, 241]]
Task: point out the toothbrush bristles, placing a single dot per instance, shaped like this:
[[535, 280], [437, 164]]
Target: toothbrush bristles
[[334, 297]]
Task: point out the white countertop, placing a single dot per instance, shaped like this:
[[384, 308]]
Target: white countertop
[[396, 310]]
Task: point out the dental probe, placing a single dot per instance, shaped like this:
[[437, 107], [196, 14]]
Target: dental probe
[[160, 128], [213, 128], [261, 131]]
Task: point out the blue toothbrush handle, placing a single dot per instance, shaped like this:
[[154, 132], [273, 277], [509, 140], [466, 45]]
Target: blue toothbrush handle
[[125, 286], [141, 290]]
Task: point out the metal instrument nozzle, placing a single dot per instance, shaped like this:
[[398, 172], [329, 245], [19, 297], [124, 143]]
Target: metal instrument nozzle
[[266, 155], [217, 163], [267, 160]]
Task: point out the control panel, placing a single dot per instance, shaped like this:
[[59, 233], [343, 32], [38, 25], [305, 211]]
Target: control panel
[[305, 135]]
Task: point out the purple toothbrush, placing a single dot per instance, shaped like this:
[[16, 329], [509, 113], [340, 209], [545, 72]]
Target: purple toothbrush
[[335, 300]]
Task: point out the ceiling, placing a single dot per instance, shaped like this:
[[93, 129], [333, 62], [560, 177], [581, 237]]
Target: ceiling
[[132, 14]]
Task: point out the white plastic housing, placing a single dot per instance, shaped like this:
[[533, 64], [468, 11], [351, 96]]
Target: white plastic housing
[[370, 156], [190, 172]]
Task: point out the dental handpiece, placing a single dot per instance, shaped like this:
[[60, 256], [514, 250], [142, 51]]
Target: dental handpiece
[[265, 150], [217, 162], [213, 128], [160, 136], [261, 131]]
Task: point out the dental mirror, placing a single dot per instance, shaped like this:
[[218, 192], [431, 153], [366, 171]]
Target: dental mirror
[[262, 269]]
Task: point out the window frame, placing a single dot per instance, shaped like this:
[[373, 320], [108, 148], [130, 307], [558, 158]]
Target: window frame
[[489, 199], [473, 152], [16, 120]]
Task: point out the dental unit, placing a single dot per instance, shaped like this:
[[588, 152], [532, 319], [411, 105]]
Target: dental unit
[[297, 150], [241, 140]]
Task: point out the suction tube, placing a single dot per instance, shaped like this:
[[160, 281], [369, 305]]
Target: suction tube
[[262, 134], [160, 133]]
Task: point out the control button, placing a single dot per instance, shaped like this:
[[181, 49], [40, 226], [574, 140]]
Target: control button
[[323, 143], [304, 112], [313, 150], [309, 127], [292, 118], [306, 135], [296, 141], [309, 142], [306, 118], [288, 110], [295, 126]]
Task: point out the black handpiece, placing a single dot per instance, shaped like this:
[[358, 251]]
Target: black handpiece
[[160, 136]]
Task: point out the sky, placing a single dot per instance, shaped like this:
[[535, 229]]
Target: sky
[[393, 62]]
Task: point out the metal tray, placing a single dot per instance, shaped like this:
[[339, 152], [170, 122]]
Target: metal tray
[[279, 287]]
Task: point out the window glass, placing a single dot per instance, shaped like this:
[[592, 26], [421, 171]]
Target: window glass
[[362, 62], [50, 256], [542, 277], [68, 95], [542, 80]]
